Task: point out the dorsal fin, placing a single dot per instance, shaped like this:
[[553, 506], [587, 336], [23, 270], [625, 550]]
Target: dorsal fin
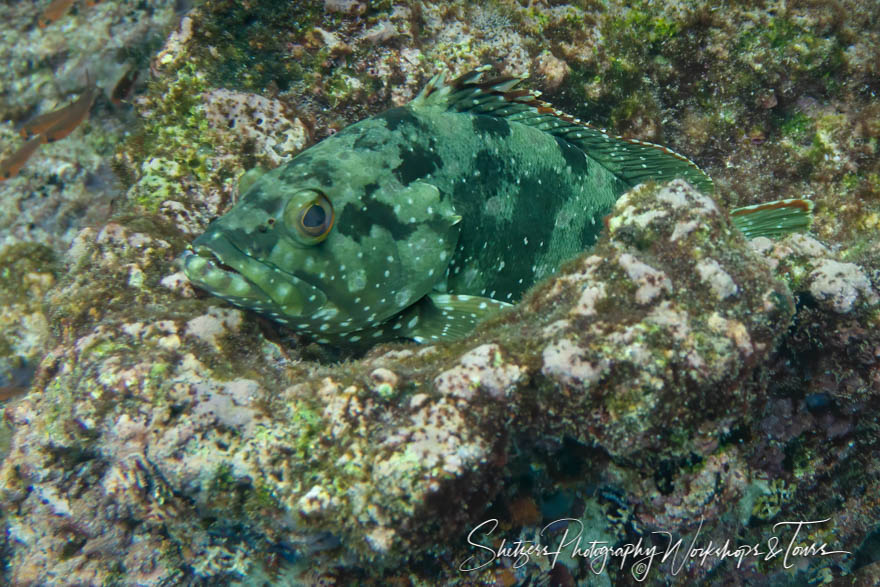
[[631, 160]]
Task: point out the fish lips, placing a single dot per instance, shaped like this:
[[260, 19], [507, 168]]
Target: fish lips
[[223, 270]]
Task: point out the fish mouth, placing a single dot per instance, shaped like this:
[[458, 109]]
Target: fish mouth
[[221, 269], [210, 273]]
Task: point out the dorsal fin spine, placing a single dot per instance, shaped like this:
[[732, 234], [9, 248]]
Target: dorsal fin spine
[[471, 93]]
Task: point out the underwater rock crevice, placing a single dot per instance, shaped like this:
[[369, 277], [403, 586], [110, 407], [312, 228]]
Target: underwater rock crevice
[[368, 450]]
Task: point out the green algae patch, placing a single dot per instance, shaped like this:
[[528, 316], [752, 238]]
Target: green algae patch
[[173, 143], [22, 267], [27, 272], [240, 44], [798, 128]]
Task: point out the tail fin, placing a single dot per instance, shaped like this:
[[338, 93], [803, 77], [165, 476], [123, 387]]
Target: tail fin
[[773, 219]]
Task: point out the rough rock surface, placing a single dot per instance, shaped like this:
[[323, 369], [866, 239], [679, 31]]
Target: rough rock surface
[[143, 440]]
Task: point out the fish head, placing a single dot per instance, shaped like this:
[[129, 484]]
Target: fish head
[[327, 243]]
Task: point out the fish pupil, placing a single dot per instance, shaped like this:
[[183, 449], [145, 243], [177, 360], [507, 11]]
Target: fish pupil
[[314, 217]]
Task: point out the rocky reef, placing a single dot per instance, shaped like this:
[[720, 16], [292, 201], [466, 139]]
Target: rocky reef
[[676, 378], [661, 366]]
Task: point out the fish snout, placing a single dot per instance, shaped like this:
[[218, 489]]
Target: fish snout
[[248, 283]]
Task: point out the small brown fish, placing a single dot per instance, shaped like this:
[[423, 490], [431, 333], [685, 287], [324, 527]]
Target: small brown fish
[[55, 10], [43, 122], [10, 391], [10, 166], [73, 115], [124, 87]]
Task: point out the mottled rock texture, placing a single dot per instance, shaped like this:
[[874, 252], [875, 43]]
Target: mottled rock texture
[[177, 434]]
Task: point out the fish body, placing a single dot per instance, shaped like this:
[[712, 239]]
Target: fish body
[[55, 10], [10, 166], [48, 128], [71, 116], [59, 123], [421, 220]]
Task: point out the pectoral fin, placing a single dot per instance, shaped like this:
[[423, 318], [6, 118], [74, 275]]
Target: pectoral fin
[[445, 317]]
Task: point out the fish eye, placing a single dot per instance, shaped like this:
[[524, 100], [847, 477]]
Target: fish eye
[[311, 215], [313, 219]]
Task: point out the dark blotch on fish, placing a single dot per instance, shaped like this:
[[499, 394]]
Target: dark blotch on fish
[[357, 223], [396, 117], [496, 127], [370, 189], [370, 141], [417, 162], [575, 158], [320, 170], [491, 167]]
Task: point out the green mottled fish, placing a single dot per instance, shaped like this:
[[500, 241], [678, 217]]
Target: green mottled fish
[[420, 221]]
